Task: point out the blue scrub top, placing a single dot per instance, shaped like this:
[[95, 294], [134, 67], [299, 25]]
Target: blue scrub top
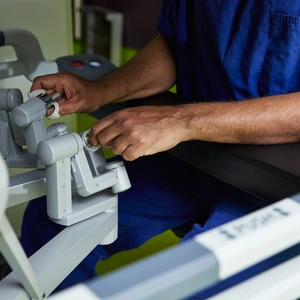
[[233, 49]]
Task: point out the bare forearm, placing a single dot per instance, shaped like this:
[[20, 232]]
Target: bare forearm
[[269, 120], [150, 72], [145, 130]]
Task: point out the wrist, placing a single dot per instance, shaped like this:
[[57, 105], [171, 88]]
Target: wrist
[[184, 118]]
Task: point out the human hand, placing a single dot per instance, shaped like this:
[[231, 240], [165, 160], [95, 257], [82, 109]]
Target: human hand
[[80, 95], [140, 131]]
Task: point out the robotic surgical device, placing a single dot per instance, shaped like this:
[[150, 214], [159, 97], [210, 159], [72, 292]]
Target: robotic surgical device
[[81, 187], [77, 175]]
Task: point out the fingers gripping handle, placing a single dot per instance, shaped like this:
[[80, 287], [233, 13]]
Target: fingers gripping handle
[[50, 100], [55, 114], [86, 142]]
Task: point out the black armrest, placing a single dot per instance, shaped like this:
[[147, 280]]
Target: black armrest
[[166, 98], [269, 172]]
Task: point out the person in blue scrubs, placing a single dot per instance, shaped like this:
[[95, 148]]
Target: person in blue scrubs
[[237, 70]]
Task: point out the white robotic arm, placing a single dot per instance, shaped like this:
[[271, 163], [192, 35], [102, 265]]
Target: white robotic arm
[[68, 159], [81, 187]]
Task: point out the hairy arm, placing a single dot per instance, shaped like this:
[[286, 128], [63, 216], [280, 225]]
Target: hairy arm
[[267, 120], [150, 72], [140, 131]]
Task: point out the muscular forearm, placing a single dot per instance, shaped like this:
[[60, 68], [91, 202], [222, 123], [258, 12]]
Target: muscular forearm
[[150, 72], [145, 130], [269, 120]]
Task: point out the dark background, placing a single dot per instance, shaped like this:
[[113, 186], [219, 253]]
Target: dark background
[[139, 19]]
